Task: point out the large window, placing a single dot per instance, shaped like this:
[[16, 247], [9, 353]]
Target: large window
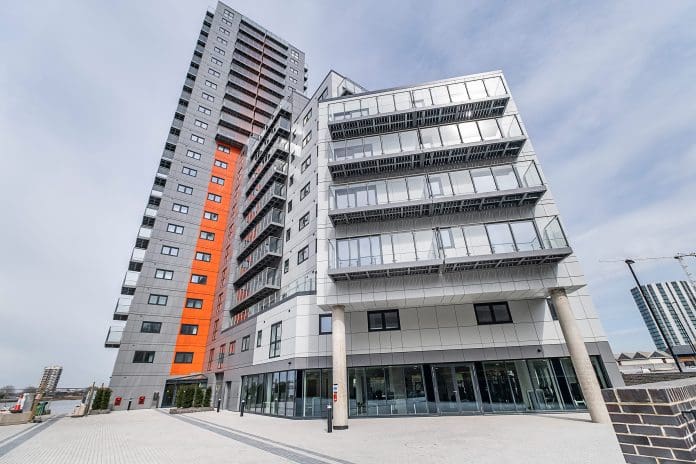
[[383, 320], [183, 357], [492, 313], [160, 300], [189, 329], [144, 357], [303, 255], [324, 324], [274, 348], [151, 327], [194, 303], [245, 343]]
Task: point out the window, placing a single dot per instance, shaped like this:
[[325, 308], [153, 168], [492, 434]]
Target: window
[[287, 234], [552, 309], [151, 327], [134, 266], [201, 124], [221, 40], [184, 189], [210, 84], [228, 14], [307, 116], [159, 300], [164, 274], [233, 346], [289, 206], [197, 139], [141, 243], [286, 266], [193, 154], [160, 181], [225, 21], [383, 320], [303, 255], [220, 164], [189, 329], [306, 139], [189, 171], [127, 291], [195, 303], [179, 208], [215, 198], [492, 313], [291, 181], [219, 51], [199, 279], [223, 30], [175, 229], [144, 357], [170, 251], [183, 357], [154, 201], [215, 61], [207, 235], [259, 338], [324, 324], [210, 216], [217, 180], [304, 192], [200, 256], [274, 348], [148, 221], [245, 343], [304, 220], [213, 72], [305, 164], [223, 149]]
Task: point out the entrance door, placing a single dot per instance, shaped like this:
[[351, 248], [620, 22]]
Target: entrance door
[[455, 393]]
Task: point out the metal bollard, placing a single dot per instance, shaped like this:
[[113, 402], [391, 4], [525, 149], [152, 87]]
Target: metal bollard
[[241, 408], [130, 401], [329, 418], [218, 406]]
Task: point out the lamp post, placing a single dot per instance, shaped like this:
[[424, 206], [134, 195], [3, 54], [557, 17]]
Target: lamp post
[[630, 263]]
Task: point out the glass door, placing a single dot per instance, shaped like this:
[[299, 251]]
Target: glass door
[[463, 378], [446, 391], [504, 393], [455, 388]]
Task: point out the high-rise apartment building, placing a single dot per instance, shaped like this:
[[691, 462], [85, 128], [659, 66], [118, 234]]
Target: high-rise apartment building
[[395, 252], [674, 304], [50, 378]]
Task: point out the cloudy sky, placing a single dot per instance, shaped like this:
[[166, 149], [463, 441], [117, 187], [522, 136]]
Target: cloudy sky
[[88, 90]]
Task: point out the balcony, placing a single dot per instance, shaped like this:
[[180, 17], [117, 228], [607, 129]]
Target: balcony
[[231, 136], [277, 148], [451, 249], [113, 338], [263, 284], [276, 171], [403, 110], [271, 224], [453, 144], [123, 308], [508, 185], [273, 198], [267, 253]]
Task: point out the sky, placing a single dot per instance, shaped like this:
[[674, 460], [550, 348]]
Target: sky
[[88, 91]]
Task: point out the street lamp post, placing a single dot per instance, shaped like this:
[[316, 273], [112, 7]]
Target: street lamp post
[[629, 263]]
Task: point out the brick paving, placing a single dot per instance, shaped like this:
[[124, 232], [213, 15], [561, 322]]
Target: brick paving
[[153, 437]]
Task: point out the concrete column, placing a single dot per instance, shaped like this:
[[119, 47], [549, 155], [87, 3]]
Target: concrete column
[[580, 358], [340, 370]]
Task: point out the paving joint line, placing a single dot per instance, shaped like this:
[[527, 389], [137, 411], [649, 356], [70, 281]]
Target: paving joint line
[[20, 440]]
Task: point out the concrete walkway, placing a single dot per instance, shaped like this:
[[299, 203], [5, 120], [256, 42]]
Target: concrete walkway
[[151, 436]]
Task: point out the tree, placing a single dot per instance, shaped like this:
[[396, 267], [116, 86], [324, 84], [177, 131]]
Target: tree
[[106, 396], [7, 391], [188, 396], [197, 397], [30, 389], [97, 401], [206, 397], [180, 397]]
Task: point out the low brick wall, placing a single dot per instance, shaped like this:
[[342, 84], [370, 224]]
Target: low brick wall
[[639, 379], [655, 423]]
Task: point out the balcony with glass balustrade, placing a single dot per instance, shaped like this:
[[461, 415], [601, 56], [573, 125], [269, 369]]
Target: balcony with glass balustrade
[[450, 249], [260, 286], [507, 185], [271, 223], [267, 253], [113, 337]]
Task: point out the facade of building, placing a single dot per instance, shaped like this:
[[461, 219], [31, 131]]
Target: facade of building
[[395, 252], [643, 362], [50, 378], [674, 304]]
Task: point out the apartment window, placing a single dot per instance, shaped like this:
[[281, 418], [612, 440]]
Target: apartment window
[[220, 164], [144, 357], [383, 320], [215, 198], [223, 149], [170, 251], [324, 324], [141, 243], [210, 216], [259, 338], [219, 51], [164, 274], [199, 279], [305, 191], [183, 357], [245, 343], [287, 234], [160, 181], [151, 327], [159, 300], [204, 110], [305, 164], [306, 139], [289, 206], [154, 201], [303, 255], [274, 343], [127, 291], [207, 235], [221, 40], [215, 61], [213, 72], [179, 208], [148, 221], [184, 189], [292, 79], [304, 220], [188, 329], [223, 30], [200, 256], [233, 346], [195, 303], [294, 53], [189, 171], [133, 266], [175, 229], [217, 180], [197, 139], [201, 124], [224, 21], [552, 309], [492, 313], [194, 154], [294, 71], [286, 266], [228, 14]]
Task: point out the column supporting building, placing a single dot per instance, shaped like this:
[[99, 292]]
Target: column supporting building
[[580, 358], [340, 369]]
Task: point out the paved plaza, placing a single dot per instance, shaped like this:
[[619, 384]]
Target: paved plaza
[[152, 436]]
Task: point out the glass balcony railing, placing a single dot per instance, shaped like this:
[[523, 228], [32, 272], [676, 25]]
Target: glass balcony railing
[[122, 308], [273, 196], [270, 248], [263, 283], [113, 337], [276, 170], [449, 249], [271, 221]]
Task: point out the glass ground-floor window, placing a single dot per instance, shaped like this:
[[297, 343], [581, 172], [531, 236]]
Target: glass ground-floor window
[[270, 393]]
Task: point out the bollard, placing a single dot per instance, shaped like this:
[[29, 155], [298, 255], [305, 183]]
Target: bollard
[[329, 418], [130, 400], [241, 409], [218, 406]]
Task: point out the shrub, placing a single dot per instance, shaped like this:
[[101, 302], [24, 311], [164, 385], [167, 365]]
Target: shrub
[[206, 397], [105, 397], [179, 401], [188, 397], [197, 397], [97, 400]]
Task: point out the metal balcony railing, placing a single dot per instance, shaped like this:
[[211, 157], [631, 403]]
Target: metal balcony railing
[[264, 283], [272, 223], [275, 172], [267, 253], [274, 197]]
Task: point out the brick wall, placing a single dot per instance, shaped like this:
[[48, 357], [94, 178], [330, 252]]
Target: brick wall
[[654, 423]]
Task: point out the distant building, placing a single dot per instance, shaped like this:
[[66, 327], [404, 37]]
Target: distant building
[[645, 361], [50, 378]]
